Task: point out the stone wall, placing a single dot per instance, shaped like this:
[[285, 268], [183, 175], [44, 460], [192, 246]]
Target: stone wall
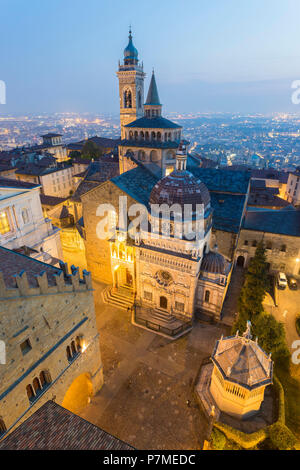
[[48, 318], [98, 251], [283, 251]]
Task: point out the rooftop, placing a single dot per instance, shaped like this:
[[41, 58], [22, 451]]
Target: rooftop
[[52, 427], [283, 222], [12, 264], [223, 181], [154, 123], [242, 361], [16, 184]]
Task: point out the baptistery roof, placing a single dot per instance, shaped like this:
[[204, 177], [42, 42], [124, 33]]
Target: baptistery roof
[[241, 360], [180, 187]]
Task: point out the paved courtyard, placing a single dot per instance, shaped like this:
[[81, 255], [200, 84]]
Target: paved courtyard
[[287, 311], [147, 398]]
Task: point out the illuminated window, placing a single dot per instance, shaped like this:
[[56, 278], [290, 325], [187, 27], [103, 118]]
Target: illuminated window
[[4, 223]]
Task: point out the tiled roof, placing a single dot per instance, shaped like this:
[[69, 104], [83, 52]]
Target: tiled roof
[[227, 208], [283, 222], [50, 134], [242, 361], [154, 123], [270, 173], [138, 183], [227, 211], [51, 200], [11, 183], [180, 187], [52, 427], [97, 173], [224, 181], [12, 263]]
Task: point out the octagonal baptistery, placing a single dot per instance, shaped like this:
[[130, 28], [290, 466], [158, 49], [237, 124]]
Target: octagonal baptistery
[[182, 190], [242, 371]]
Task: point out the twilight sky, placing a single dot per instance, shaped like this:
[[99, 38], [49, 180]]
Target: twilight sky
[[208, 55]]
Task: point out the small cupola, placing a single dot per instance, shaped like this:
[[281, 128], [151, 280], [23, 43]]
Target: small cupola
[[130, 52]]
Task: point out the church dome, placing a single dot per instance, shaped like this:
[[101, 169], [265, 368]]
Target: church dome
[[214, 262], [180, 187], [130, 52]]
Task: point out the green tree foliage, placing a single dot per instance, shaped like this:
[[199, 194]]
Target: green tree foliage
[[218, 439], [281, 437], [253, 291], [91, 150], [270, 332], [74, 154]]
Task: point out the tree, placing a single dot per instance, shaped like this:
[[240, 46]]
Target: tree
[[91, 150], [74, 154], [270, 333], [250, 302], [281, 437]]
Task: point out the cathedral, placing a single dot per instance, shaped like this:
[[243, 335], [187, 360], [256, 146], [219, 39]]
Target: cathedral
[[168, 279]]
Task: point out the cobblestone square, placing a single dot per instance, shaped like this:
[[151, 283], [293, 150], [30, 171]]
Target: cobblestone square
[[147, 398]]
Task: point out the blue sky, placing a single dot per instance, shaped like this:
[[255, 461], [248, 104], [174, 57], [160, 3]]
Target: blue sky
[[209, 55]]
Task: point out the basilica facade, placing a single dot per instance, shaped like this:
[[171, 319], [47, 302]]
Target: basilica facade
[[171, 270]]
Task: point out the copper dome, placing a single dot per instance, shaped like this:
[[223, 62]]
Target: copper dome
[[180, 187]]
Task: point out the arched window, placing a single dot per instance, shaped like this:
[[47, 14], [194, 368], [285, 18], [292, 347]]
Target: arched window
[[283, 248], [45, 378], [30, 392], [142, 155], [153, 156], [127, 99], [136, 135], [73, 347], [130, 135], [78, 343], [152, 135], [159, 136], [207, 296], [139, 99], [69, 354], [2, 427], [147, 135], [254, 243], [36, 385], [142, 135]]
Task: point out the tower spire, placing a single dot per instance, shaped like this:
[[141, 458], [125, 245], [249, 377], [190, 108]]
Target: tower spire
[[152, 96]]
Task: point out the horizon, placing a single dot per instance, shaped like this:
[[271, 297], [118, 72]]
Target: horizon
[[68, 61]]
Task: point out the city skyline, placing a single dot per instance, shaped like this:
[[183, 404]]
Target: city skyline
[[208, 58]]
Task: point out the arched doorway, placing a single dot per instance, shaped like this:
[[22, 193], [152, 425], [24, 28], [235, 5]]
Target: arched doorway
[[163, 302], [78, 394], [240, 261]]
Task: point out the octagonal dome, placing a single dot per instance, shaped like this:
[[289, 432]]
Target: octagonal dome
[[180, 187]]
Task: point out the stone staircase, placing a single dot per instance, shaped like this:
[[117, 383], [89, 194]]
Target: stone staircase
[[164, 318], [122, 297]]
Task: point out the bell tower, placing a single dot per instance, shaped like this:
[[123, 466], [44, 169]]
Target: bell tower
[[131, 86]]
